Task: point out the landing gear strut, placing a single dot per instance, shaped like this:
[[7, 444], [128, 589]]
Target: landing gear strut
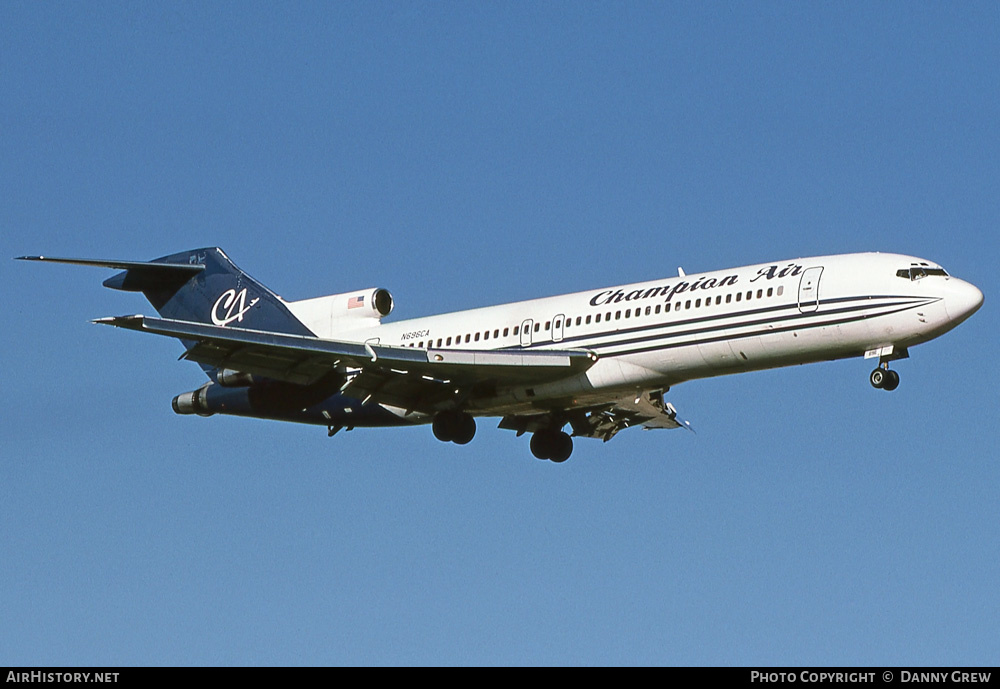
[[551, 444], [884, 379], [454, 426]]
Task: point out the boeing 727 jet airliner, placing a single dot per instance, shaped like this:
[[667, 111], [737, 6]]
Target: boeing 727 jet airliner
[[596, 361]]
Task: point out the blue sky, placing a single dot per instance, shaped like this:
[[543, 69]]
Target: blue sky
[[466, 154]]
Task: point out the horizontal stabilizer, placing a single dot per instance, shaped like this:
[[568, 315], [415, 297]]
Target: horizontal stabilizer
[[139, 276], [119, 265]]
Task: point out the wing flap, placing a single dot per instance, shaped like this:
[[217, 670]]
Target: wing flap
[[647, 410]]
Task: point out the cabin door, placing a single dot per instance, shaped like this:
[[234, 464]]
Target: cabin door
[[557, 328], [526, 333], [809, 289]]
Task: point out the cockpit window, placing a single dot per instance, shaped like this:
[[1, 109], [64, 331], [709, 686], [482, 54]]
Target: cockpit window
[[917, 272]]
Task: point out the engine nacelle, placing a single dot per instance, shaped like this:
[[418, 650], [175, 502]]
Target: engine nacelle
[[192, 402], [228, 378], [267, 399], [327, 316]]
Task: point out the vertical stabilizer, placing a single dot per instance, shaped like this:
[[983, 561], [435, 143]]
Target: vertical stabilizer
[[219, 293]]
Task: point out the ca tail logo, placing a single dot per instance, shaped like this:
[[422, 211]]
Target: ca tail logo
[[233, 304]]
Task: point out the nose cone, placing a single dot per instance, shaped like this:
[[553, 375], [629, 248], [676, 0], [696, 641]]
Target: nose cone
[[962, 300]]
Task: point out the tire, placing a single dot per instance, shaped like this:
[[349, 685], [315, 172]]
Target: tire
[[541, 444], [877, 378], [443, 427], [891, 381], [562, 448], [464, 429]]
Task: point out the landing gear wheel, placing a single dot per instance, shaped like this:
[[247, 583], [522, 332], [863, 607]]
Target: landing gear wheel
[[878, 378], [465, 429], [891, 381], [562, 448], [443, 427], [541, 445], [884, 379]]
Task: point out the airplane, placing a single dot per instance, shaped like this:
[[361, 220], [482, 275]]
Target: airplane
[[597, 361]]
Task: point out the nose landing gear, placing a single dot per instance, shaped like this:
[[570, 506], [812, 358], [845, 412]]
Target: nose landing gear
[[884, 379]]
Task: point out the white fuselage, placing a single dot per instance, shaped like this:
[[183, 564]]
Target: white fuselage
[[655, 334]]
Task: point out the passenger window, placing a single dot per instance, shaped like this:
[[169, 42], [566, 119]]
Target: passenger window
[[697, 303], [486, 335], [598, 318], [770, 291], [537, 327], [439, 342], [718, 300], [578, 319], [496, 333], [781, 290], [448, 343], [739, 296], [516, 328], [477, 337], [760, 293], [466, 338], [628, 312], [687, 304], [729, 298], [657, 308], [548, 324], [618, 315], [505, 331]]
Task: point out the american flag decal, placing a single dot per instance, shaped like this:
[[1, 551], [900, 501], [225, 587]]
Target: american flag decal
[[355, 302]]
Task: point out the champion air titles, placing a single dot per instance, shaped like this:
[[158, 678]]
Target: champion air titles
[[668, 292]]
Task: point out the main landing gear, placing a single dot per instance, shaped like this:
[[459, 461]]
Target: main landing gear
[[454, 426], [551, 444], [884, 379]]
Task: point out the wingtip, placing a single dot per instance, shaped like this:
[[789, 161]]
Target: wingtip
[[117, 320]]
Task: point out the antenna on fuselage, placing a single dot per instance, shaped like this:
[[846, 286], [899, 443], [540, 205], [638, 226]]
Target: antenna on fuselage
[[681, 273]]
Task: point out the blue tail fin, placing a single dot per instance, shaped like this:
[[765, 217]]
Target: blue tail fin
[[219, 293]]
